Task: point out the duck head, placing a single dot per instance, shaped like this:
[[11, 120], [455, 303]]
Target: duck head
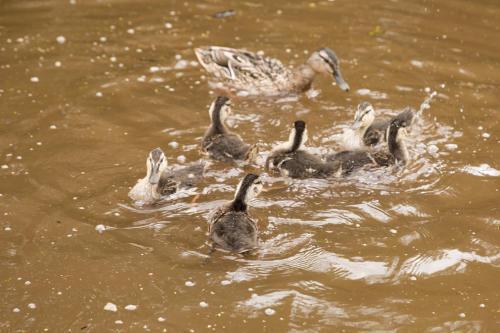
[[325, 61], [364, 117], [247, 190], [156, 163], [406, 117], [396, 135]]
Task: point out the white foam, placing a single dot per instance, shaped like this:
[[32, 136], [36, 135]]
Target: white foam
[[371, 93], [269, 311], [100, 228], [131, 307], [110, 307], [481, 170], [417, 63]]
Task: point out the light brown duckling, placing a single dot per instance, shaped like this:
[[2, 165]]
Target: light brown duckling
[[219, 142], [161, 181], [371, 131], [241, 70], [396, 154], [231, 228]]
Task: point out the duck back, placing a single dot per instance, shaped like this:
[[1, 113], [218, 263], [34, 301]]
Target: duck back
[[235, 231], [226, 147]]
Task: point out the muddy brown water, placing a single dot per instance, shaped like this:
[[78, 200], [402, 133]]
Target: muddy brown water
[[417, 251]]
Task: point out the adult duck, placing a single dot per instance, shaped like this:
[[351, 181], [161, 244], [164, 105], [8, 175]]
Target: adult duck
[[243, 71]]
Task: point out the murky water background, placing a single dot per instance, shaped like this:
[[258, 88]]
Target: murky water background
[[87, 88]]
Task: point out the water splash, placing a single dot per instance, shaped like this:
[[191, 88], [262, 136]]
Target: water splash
[[426, 104]]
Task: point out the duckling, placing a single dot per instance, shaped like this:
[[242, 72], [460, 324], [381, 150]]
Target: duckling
[[397, 153], [220, 143], [370, 131], [231, 227], [291, 160], [242, 70], [160, 181]]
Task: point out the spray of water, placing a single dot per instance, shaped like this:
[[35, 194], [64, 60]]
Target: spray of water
[[426, 103]]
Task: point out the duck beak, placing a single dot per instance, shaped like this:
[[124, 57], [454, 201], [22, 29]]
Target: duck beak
[[154, 178], [356, 125], [340, 80]]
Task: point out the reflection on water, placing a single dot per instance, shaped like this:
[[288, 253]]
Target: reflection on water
[[89, 88]]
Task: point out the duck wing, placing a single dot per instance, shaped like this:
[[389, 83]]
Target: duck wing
[[301, 164], [351, 160], [184, 177], [383, 158], [376, 132], [167, 185], [227, 147], [188, 176], [242, 66]]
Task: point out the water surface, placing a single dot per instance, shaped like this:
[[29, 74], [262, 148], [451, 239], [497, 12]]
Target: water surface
[[414, 251]]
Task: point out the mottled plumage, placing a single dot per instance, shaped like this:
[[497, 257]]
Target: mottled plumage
[[240, 70], [376, 132]]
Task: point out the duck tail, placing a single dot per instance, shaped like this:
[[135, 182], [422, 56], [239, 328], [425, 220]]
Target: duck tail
[[203, 56]]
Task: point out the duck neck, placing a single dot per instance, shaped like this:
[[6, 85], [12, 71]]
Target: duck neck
[[303, 77], [296, 143], [217, 126], [362, 131], [149, 192], [155, 191], [239, 203], [396, 144]]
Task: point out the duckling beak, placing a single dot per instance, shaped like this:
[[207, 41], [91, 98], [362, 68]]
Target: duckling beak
[[154, 178], [340, 81], [356, 125]]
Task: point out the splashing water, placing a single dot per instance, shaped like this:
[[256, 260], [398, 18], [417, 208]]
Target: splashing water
[[426, 104]]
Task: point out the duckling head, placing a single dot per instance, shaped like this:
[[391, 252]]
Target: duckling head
[[396, 135], [406, 117], [219, 110], [364, 117], [156, 164], [247, 190], [325, 61]]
